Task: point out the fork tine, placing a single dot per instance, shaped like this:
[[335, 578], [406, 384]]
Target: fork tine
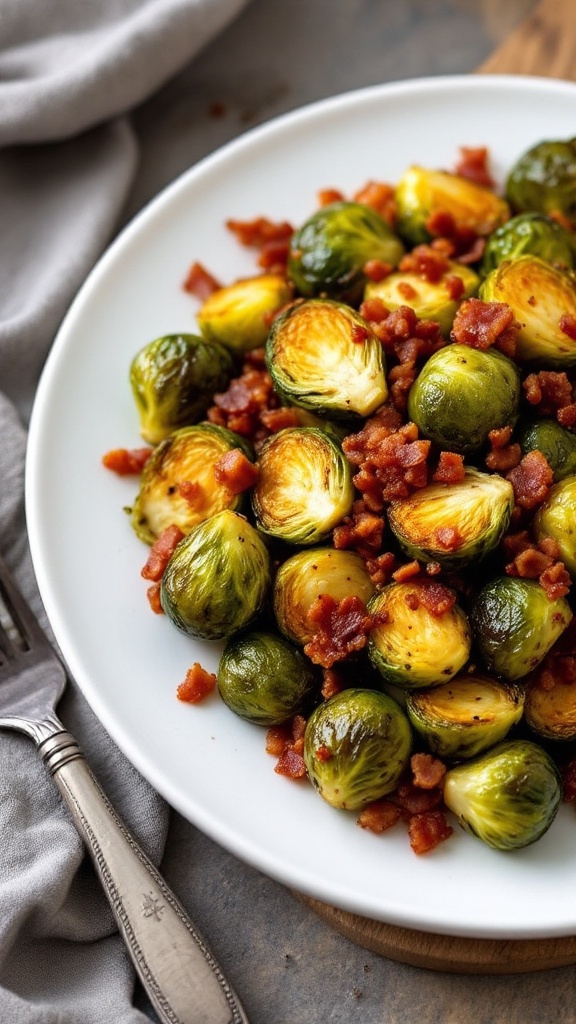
[[20, 614]]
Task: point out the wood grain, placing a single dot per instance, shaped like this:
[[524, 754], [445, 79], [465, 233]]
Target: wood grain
[[544, 44], [450, 954]]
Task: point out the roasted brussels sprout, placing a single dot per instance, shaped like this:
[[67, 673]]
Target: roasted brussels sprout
[[217, 579], [356, 747], [329, 252], [543, 299], [173, 381], [430, 300], [421, 193], [304, 487], [453, 524], [466, 716], [529, 233], [508, 797], [557, 518], [557, 444], [544, 179], [461, 394], [263, 678], [551, 713], [323, 356], [178, 485], [412, 645], [304, 576], [515, 624], [239, 315]]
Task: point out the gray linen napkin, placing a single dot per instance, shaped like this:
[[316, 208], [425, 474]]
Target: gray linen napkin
[[70, 73]]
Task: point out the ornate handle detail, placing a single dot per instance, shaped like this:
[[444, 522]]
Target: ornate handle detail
[[183, 980]]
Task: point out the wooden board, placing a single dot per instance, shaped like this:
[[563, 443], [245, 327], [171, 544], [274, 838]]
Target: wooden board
[[544, 44]]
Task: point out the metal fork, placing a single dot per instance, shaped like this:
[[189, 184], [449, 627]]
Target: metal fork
[[180, 974]]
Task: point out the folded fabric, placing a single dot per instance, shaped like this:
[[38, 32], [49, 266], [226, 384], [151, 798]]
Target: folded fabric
[[70, 73]]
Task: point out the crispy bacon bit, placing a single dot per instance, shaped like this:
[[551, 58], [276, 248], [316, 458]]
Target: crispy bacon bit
[[380, 197], [332, 683], [286, 742], [381, 567], [434, 596], [392, 462], [568, 325], [359, 334], [428, 771], [259, 232], [413, 799], [428, 830], [247, 398], [556, 580], [362, 530], [483, 324], [551, 393], [343, 628], [537, 561], [160, 553], [329, 195], [457, 241], [323, 753], [273, 258], [291, 764], [200, 282], [450, 468], [406, 571], [531, 479], [379, 816], [377, 270], [277, 419], [153, 595], [126, 461], [235, 471], [198, 683], [425, 261], [473, 164], [502, 457]]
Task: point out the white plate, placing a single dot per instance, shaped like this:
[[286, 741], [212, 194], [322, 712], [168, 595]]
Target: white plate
[[206, 762]]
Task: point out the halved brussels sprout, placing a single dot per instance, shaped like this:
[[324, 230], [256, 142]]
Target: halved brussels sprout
[[304, 576], [557, 445], [410, 646], [304, 487], [515, 624], [329, 252], [540, 296], [356, 746], [461, 394], [263, 678], [173, 381], [466, 716], [217, 579], [178, 485], [557, 518], [529, 233], [551, 713], [430, 300], [324, 357], [544, 179], [421, 193], [238, 316], [507, 797], [453, 524]]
